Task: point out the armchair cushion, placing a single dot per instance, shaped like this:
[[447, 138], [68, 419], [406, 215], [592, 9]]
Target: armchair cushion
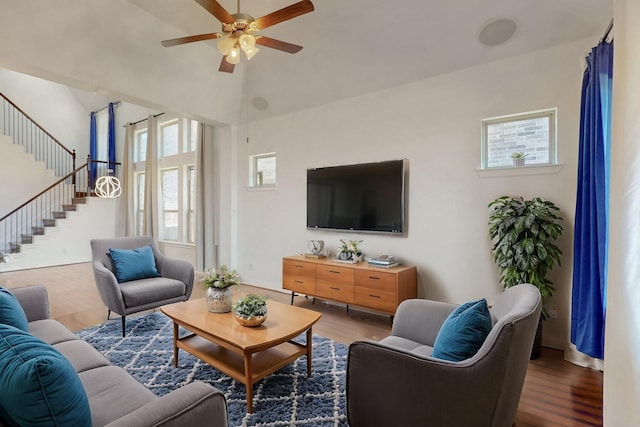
[[463, 332], [44, 387], [11, 312], [134, 264]]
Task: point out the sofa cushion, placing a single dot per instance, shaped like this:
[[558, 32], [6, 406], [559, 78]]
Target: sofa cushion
[[134, 264], [144, 291], [45, 390], [463, 332], [113, 393], [51, 331], [11, 312], [81, 355]]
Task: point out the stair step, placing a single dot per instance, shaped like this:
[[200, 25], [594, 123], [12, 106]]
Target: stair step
[[79, 200], [26, 238], [48, 222], [14, 248], [59, 215], [68, 208], [37, 231]]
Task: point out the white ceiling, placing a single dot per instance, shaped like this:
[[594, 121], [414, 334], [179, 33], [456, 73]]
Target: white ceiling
[[360, 46]]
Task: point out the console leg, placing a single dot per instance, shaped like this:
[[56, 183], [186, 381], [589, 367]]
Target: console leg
[[347, 308], [314, 300], [292, 295]]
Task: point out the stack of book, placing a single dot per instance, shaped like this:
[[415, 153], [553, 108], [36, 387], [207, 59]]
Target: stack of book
[[383, 261]]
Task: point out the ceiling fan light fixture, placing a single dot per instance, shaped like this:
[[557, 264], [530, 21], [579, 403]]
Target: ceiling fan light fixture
[[247, 41], [225, 45], [233, 57], [251, 52]]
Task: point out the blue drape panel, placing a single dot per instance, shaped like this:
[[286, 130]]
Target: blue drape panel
[[588, 297], [112, 138], [93, 149]]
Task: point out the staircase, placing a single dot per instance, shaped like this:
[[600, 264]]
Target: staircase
[[38, 232]]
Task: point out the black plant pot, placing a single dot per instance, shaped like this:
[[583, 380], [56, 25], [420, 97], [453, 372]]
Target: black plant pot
[[537, 341]]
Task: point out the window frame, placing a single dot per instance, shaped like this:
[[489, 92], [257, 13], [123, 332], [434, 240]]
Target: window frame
[[550, 113], [254, 181]]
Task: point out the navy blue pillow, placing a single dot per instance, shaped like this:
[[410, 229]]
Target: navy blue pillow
[[463, 332], [11, 312], [39, 386], [134, 264]]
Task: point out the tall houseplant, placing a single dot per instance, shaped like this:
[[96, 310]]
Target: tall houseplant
[[523, 233]]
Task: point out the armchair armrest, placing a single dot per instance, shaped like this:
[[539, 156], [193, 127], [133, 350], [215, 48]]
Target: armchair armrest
[[108, 288], [195, 404], [420, 320], [34, 300], [177, 269], [434, 386]]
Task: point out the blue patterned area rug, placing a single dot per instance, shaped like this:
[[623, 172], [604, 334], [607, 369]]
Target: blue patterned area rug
[[285, 398]]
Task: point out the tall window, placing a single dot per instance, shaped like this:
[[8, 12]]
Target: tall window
[[529, 136], [177, 139]]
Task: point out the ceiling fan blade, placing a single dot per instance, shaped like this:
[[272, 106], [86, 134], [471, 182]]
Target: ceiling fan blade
[[217, 10], [225, 66], [297, 9], [191, 39], [278, 44]]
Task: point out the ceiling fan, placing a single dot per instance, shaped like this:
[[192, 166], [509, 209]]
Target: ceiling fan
[[239, 32]]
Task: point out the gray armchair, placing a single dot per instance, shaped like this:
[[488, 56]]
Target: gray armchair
[[174, 284], [397, 382]]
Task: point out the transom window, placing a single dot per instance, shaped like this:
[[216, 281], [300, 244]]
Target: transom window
[[530, 136]]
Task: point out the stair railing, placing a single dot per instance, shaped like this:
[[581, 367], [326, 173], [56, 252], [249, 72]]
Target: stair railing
[[35, 139], [30, 218]]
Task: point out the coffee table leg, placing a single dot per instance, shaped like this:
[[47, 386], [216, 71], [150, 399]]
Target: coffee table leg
[[175, 344], [309, 346], [248, 381]]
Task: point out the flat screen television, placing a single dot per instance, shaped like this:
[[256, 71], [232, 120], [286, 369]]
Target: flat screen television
[[366, 197]]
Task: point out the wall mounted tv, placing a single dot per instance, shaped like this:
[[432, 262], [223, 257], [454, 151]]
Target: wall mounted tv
[[366, 197]]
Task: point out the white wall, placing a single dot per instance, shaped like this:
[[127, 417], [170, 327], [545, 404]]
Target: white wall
[[622, 336], [435, 124]]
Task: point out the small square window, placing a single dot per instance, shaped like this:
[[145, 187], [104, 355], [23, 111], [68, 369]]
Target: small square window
[[526, 139], [262, 170]]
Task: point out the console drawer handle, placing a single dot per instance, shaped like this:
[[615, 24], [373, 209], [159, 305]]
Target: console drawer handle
[[334, 272], [374, 296], [298, 281], [334, 288], [374, 278], [299, 266]]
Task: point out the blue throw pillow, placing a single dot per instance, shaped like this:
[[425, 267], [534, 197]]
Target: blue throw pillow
[[463, 332], [39, 386], [134, 264], [11, 312]]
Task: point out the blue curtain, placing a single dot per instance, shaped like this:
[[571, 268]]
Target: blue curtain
[[588, 298], [112, 138], [93, 150]]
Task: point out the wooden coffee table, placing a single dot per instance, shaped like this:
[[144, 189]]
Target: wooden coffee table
[[245, 354]]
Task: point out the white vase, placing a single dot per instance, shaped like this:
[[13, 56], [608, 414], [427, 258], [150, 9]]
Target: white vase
[[219, 300]]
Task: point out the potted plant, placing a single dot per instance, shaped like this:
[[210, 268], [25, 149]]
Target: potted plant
[[250, 310], [349, 250], [523, 233], [518, 158], [219, 293]]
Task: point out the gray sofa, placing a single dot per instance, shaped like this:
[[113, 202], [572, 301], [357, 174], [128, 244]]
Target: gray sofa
[[115, 397], [397, 381]]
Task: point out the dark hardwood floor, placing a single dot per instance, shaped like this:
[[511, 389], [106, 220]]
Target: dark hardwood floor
[[556, 392]]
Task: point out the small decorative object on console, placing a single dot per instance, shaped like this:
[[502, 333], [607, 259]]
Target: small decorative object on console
[[250, 310], [383, 261], [349, 251], [219, 293]]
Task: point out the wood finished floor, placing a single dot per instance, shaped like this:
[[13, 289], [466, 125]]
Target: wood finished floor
[[556, 392]]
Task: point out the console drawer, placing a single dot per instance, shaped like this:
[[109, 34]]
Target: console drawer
[[335, 274], [383, 300], [335, 291], [298, 268], [376, 280], [299, 284]]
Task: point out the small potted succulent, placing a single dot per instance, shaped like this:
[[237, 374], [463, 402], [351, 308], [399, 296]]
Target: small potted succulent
[[219, 293], [518, 158], [250, 310]]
